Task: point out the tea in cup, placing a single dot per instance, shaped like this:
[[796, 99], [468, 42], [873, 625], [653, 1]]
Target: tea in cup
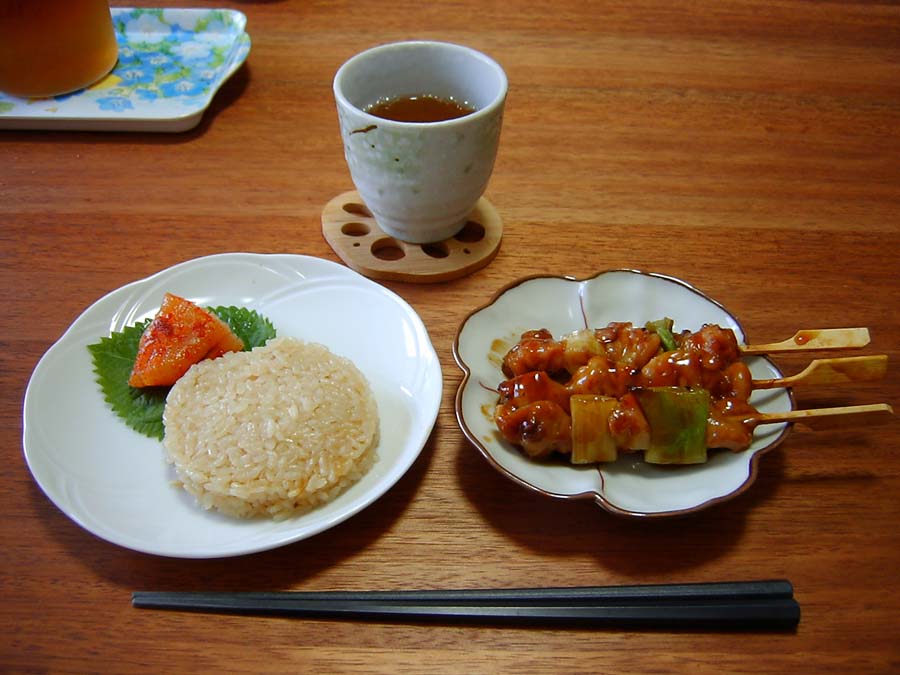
[[420, 123], [53, 47]]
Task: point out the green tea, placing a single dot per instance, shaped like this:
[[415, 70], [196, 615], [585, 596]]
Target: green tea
[[419, 108]]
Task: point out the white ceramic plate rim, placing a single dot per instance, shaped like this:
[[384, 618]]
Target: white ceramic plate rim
[[627, 487], [115, 482]]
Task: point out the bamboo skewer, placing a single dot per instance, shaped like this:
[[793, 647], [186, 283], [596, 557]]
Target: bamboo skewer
[[874, 412], [832, 371], [815, 339], [823, 372]]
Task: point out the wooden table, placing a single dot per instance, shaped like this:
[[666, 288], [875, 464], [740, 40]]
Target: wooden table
[[752, 149]]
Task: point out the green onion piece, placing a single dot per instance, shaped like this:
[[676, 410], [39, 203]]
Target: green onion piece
[[591, 440], [663, 328], [677, 418]]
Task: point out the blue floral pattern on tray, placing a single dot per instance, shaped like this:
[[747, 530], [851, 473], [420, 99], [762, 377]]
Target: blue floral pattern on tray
[[171, 63]]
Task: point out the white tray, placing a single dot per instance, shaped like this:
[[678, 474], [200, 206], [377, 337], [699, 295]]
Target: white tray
[[171, 63]]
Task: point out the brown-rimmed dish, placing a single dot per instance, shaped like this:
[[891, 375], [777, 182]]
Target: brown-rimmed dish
[[628, 486]]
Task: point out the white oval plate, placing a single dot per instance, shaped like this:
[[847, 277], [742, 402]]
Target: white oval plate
[[116, 483], [562, 304]]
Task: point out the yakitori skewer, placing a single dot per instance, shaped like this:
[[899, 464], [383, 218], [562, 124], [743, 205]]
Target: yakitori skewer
[[832, 371], [679, 426], [595, 392], [814, 340]]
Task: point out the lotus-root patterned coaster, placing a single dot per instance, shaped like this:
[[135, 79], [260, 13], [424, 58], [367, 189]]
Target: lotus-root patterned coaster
[[351, 231]]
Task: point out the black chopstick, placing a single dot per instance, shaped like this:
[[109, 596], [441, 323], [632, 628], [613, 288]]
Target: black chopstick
[[725, 605]]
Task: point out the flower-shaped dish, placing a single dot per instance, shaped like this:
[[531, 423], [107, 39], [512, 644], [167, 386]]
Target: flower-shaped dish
[[628, 486]]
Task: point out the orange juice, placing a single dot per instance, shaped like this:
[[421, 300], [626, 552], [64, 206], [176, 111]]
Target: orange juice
[[50, 47]]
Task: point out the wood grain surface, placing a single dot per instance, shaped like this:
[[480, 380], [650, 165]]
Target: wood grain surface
[[749, 148]]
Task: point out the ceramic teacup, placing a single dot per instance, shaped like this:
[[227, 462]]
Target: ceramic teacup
[[420, 180]]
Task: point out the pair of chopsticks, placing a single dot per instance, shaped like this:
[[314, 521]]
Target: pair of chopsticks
[[740, 605]]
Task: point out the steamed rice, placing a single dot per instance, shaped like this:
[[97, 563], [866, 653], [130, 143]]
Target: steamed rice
[[272, 431]]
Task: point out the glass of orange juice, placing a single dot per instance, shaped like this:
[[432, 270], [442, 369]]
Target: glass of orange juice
[[52, 47]]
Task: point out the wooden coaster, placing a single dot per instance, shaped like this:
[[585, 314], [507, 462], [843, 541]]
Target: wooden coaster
[[351, 231]]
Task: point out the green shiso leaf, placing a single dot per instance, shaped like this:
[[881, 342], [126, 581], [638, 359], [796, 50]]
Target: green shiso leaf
[[113, 359], [142, 408], [251, 327]]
